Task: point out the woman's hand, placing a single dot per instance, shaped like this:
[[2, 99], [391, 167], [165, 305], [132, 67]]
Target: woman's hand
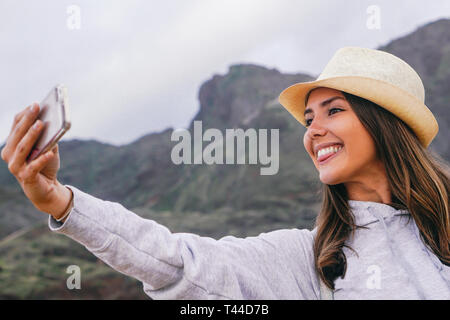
[[37, 178]]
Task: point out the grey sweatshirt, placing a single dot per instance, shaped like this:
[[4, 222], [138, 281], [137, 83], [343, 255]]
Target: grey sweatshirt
[[392, 262]]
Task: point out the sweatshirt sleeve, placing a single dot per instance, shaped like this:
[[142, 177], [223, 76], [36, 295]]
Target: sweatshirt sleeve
[[273, 265]]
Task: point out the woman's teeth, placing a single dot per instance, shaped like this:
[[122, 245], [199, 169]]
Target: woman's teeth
[[328, 150]]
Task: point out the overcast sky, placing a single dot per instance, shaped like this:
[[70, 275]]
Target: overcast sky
[[135, 67]]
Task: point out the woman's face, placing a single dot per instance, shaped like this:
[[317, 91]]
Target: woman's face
[[332, 123]]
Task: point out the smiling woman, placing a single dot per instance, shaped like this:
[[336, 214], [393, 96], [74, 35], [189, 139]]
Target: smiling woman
[[367, 134], [381, 161]]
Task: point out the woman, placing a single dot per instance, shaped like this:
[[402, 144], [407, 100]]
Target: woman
[[382, 233]]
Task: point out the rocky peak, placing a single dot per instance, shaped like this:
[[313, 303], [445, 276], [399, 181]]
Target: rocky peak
[[239, 95]]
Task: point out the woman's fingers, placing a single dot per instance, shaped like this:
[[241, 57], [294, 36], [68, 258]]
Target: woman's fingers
[[24, 147], [22, 126], [20, 115], [31, 171], [22, 123]]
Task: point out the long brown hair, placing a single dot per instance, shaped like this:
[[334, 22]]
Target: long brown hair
[[419, 181]]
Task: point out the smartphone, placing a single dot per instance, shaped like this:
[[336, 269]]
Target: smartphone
[[54, 115]]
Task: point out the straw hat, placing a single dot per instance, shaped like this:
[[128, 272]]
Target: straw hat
[[377, 76]]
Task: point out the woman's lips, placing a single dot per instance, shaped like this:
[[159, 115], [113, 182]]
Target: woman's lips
[[329, 156]]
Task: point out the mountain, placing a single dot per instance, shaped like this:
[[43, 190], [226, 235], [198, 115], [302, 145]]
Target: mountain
[[427, 50], [209, 200]]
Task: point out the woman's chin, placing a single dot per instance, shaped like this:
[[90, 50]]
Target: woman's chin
[[330, 179]]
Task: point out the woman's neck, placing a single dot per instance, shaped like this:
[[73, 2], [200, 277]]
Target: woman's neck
[[375, 189]]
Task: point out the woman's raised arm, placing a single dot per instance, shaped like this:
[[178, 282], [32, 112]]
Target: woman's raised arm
[[273, 265]]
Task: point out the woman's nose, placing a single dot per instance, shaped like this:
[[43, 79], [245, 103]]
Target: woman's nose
[[316, 130]]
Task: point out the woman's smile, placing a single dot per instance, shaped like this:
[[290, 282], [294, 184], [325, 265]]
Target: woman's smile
[[329, 155]]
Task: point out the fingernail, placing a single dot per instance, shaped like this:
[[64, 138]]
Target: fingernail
[[34, 108], [36, 125]]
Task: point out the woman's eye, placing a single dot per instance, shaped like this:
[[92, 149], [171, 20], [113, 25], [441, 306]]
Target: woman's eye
[[334, 109], [308, 122]]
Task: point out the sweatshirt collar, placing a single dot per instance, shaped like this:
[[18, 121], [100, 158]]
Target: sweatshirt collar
[[366, 212], [363, 211]]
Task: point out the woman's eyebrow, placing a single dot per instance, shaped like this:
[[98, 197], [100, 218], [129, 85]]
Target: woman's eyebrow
[[324, 103]]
